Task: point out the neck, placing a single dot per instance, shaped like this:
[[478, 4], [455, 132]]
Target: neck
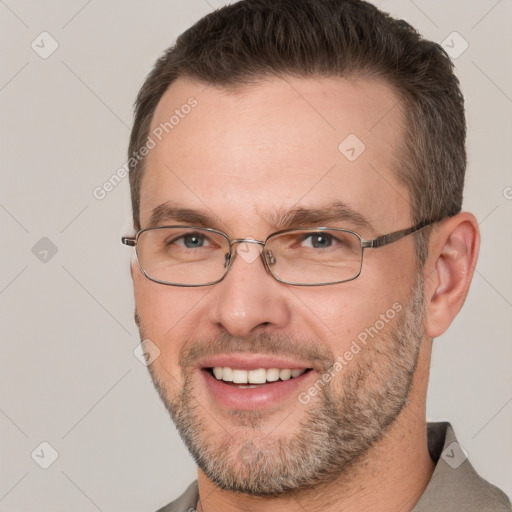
[[392, 476]]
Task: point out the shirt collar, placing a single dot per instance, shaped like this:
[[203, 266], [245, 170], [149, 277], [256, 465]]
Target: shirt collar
[[455, 485]]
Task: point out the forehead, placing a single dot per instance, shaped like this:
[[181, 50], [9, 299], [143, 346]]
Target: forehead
[[276, 145]]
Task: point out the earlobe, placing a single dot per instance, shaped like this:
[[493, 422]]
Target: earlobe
[[453, 255]]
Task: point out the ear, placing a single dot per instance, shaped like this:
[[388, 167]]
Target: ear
[[453, 253]]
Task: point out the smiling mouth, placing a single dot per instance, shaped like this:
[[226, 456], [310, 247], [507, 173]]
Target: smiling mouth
[[253, 378]]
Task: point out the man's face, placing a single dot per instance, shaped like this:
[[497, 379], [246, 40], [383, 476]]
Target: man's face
[[244, 162]]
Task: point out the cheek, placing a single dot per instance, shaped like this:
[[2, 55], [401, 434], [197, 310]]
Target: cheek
[[336, 315], [166, 317], [161, 308], [363, 309]]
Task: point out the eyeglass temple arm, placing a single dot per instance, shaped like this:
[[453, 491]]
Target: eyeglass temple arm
[[393, 237], [128, 240]]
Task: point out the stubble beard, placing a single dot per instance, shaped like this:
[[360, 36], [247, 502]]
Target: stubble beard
[[348, 416]]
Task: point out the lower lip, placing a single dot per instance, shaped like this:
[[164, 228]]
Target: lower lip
[[259, 397]]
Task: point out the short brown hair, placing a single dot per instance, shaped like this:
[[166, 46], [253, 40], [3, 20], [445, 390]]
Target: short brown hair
[[241, 43]]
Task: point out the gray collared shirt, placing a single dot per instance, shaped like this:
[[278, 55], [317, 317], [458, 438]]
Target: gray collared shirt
[[454, 487]]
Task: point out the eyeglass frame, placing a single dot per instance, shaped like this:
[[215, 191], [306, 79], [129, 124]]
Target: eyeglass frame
[[373, 243]]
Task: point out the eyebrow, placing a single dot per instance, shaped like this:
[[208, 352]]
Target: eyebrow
[[167, 212], [337, 212]]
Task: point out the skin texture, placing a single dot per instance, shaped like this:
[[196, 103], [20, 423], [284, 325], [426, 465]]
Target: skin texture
[[243, 157]]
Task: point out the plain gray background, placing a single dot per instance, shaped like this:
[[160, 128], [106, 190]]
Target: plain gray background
[[68, 374]]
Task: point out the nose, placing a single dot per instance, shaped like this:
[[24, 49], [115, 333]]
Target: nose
[[249, 298]]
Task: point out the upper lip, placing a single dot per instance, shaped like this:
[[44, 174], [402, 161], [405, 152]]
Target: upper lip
[[251, 362]]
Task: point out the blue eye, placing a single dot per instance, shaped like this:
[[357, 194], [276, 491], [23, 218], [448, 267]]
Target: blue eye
[[318, 240], [191, 240]]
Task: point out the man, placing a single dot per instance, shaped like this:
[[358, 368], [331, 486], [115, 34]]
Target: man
[[297, 169]]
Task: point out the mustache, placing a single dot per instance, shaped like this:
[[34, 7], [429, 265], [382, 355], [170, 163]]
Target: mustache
[[310, 352]]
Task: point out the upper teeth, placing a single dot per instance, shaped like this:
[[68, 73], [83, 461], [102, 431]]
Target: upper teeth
[[259, 376]]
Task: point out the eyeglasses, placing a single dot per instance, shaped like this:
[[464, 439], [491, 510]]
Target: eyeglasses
[[194, 256]]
